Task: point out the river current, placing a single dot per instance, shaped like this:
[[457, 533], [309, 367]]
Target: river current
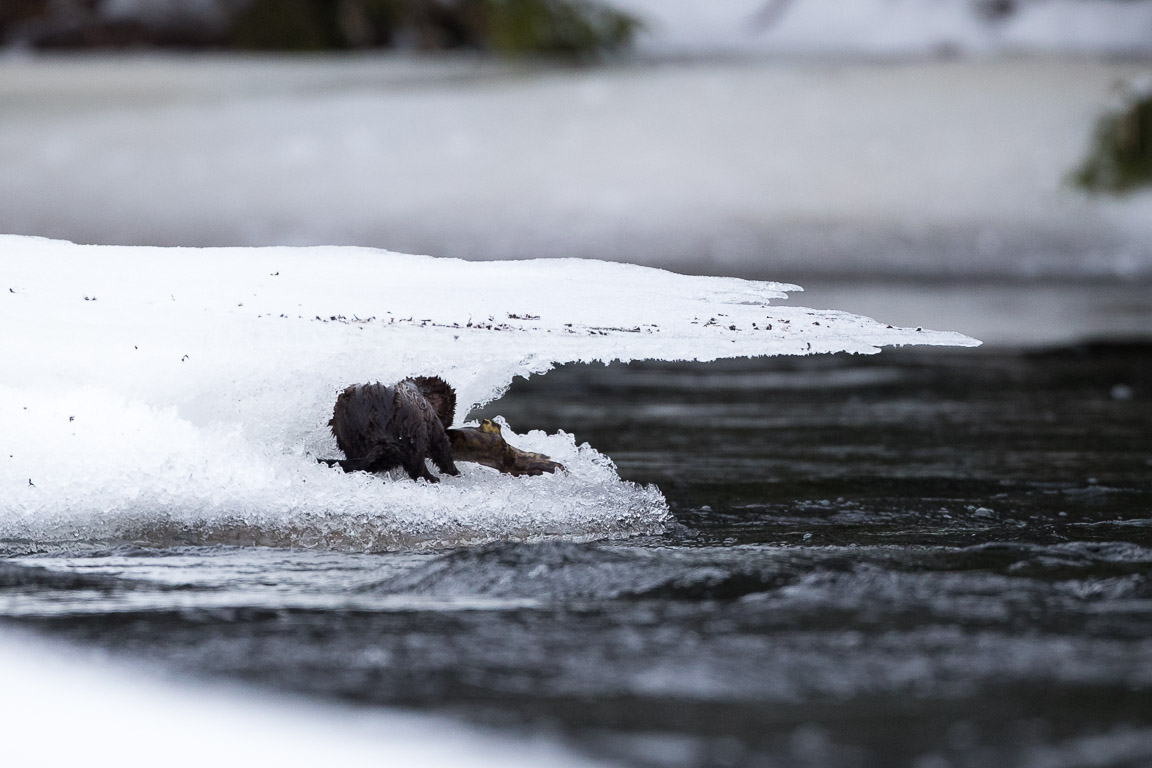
[[922, 558]]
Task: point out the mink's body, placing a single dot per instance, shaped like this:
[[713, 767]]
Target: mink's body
[[381, 427]]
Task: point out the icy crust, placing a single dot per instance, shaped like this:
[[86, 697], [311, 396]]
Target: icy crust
[[182, 395], [196, 495]]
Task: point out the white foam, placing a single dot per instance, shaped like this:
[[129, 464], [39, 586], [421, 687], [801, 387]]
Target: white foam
[[182, 395]]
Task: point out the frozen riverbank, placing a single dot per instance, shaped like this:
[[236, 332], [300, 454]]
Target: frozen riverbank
[[937, 170], [183, 395]]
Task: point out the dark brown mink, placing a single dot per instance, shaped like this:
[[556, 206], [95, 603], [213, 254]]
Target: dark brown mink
[[381, 427]]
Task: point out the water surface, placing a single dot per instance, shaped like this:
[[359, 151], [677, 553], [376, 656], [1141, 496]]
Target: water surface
[[923, 558]]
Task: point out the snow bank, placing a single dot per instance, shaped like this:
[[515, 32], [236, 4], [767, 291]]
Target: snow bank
[[919, 171], [170, 395], [60, 709]]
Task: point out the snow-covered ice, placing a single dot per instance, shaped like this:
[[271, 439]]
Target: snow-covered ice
[[926, 170], [61, 709], [168, 395]]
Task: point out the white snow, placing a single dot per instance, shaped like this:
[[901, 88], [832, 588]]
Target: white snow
[[168, 395], [933, 170], [59, 708]]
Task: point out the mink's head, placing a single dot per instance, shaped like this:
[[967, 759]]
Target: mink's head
[[440, 394]]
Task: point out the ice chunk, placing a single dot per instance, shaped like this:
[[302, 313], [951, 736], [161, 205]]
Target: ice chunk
[[182, 395]]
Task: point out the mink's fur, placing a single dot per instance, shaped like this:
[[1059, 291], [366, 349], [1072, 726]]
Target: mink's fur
[[381, 427]]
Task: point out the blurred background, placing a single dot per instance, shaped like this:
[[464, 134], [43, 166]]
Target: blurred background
[[923, 558], [889, 155]]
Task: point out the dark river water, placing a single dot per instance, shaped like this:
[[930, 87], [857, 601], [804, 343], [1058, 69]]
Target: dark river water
[[918, 558]]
